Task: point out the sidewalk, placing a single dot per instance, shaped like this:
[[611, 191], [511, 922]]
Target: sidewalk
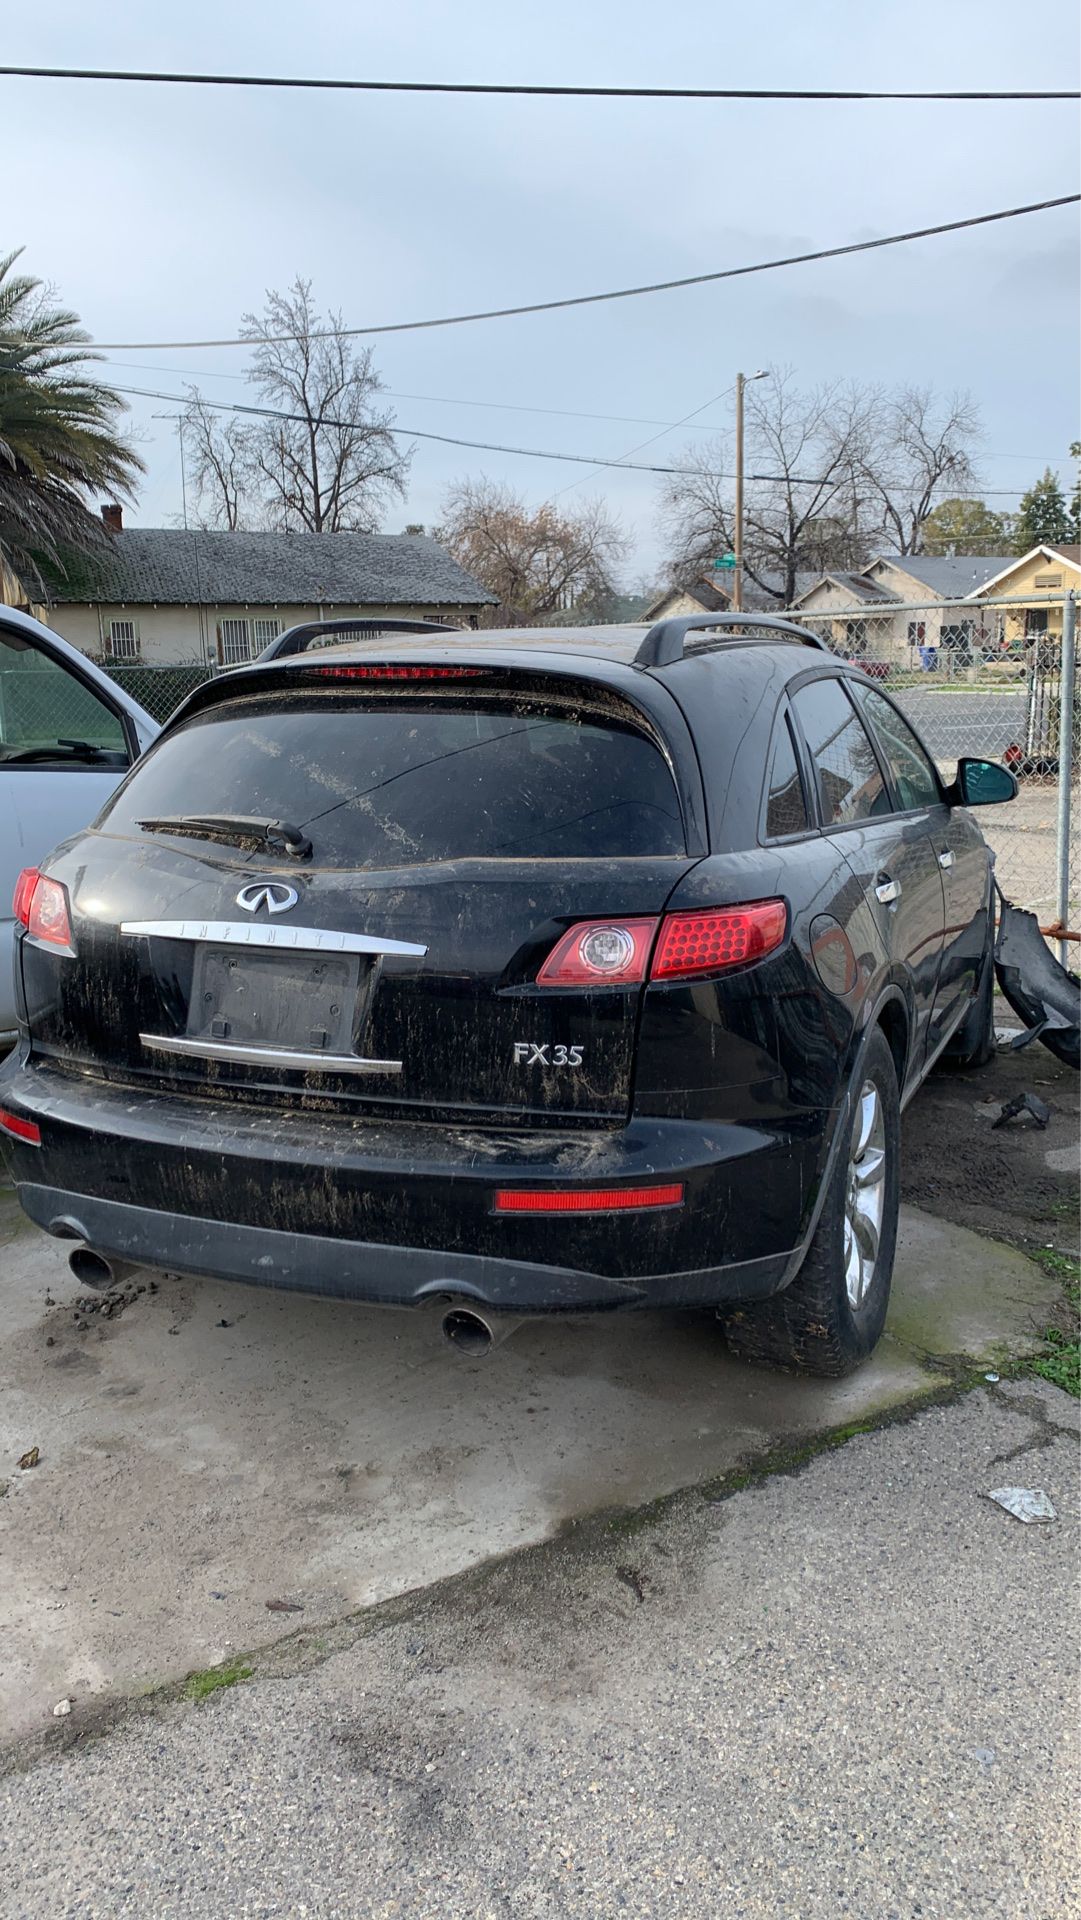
[[846, 1690]]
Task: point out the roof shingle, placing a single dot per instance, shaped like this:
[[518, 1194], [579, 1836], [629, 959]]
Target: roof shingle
[[172, 566]]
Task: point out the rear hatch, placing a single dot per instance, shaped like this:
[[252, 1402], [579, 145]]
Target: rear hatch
[[460, 822]]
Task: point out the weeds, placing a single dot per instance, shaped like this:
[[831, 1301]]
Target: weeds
[[199, 1686]]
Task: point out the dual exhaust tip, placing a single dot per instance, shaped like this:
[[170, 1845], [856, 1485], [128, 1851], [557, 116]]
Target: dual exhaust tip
[[469, 1332]]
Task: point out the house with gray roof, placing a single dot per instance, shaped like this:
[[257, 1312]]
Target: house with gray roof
[[901, 602], [169, 596]]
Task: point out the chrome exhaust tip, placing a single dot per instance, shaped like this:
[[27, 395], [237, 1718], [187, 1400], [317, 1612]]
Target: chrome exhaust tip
[[94, 1270], [473, 1334]]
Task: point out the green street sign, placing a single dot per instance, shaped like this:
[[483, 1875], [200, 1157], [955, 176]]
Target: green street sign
[[727, 560]]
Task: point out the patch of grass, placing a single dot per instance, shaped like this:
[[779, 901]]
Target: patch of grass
[[1062, 1365], [199, 1686], [1060, 1266]]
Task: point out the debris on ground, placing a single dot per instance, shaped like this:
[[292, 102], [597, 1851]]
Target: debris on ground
[[30, 1458], [284, 1606], [224, 1323], [1023, 1103], [61, 1708], [993, 1378], [1043, 994], [1025, 1503], [631, 1578], [108, 1306]]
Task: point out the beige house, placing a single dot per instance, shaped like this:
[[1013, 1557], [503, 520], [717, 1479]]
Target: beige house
[[173, 597], [900, 602], [1033, 576]]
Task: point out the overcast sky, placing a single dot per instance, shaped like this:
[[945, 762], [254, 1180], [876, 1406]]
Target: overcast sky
[[164, 213]]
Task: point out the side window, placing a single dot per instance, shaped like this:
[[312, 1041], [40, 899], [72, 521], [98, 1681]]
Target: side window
[[910, 769], [48, 717], [850, 781], [786, 807]]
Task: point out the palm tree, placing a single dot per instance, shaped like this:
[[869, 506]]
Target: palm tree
[[58, 440]]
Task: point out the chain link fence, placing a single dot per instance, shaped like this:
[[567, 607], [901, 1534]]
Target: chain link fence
[[982, 679]]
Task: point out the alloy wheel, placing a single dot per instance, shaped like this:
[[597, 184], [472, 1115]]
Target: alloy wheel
[[865, 1194]]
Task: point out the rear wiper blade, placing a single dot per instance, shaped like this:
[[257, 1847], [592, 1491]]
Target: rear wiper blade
[[236, 827]]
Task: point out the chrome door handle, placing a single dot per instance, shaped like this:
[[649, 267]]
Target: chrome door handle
[[887, 890], [945, 858]]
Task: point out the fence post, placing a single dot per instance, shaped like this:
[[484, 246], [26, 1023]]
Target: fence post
[[1065, 762]]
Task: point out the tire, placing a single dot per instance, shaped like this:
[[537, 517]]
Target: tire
[[973, 1045], [818, 1325]]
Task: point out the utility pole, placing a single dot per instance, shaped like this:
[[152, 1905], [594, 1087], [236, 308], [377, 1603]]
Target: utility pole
[[737, 543]]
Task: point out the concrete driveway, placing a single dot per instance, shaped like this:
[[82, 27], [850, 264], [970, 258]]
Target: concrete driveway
[[210, 1449]]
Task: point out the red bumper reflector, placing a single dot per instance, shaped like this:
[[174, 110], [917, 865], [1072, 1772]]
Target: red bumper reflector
[[19, 1128], [702, 943], [588, 1199]]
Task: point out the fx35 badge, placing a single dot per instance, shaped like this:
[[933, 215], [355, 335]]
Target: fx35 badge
[[528, 1054]]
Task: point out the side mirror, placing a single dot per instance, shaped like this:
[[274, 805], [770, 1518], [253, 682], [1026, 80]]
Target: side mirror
[[982, 783]]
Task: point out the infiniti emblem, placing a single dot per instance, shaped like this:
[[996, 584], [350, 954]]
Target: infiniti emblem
[[271, 894]]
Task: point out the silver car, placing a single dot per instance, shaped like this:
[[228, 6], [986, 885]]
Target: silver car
[[68, 734]]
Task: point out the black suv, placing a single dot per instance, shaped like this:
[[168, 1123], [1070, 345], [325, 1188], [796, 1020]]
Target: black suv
[[531, 972]]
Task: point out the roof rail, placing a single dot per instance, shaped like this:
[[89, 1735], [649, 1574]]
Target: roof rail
[[299, 639], [664, 641]]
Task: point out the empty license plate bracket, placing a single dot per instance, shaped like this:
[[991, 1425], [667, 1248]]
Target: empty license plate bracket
[[312, 1002]]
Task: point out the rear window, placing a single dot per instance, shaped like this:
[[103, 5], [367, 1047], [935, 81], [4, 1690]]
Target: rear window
[[407, 780]]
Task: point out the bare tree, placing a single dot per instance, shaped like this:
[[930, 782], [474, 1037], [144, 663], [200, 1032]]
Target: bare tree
[[804, 508], [327, 461], [221, 466], [915, 449], [536, 561]]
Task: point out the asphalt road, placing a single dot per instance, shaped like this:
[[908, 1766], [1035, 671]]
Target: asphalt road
[[970, 721], [850, 1690]]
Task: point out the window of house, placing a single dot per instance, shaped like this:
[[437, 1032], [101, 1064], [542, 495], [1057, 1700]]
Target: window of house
[[123, 640], [917, 632], [235, 642], [786, 807], [1048, 580], [912, 772], [850, 780], [265, 632], [1035, 622]]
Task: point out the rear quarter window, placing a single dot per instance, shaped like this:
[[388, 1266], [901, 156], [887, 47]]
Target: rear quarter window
[[405, 780]]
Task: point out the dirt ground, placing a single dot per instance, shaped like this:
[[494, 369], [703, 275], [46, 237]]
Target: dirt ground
[[1017, 1184]]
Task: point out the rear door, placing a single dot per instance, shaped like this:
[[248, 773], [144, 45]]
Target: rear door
[[457, 832], [958, 848], [889, 852], [63, 746]]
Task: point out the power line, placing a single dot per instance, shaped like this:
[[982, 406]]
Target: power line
[[512, 406], [594, 299], [455, 400], [488, 446], [555, 91]]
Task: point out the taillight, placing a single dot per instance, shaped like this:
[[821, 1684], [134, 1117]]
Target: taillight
[[24, 893], [699, 943], [599, 953], [41, 906], [616, 953], [19, 1128], [587, 1199]]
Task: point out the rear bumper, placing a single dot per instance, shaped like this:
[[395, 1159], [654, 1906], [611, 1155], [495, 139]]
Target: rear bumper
[[398, 1212], [364, 1270]]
